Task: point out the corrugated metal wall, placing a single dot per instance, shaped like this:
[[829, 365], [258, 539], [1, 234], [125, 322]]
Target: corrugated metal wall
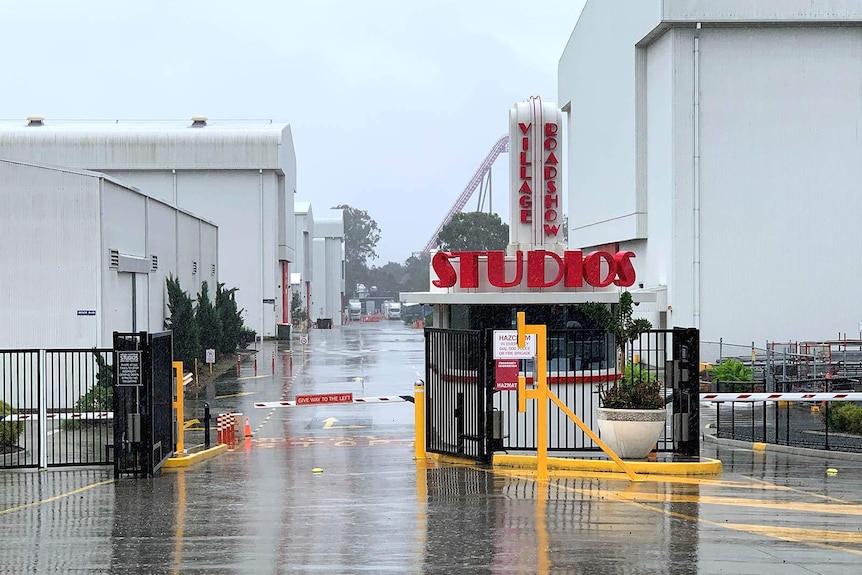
[[59, 287], [50, 256]]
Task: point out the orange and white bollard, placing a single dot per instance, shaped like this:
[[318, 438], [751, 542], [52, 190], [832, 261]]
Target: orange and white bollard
[[238, 364], [247, 429]]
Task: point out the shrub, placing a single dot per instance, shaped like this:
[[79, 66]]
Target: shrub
[[731, 370], [246, 336], [9, 430], [208, 320], [843, 417], [230, 317], [100, 397], [297, 312], [638, 389], [182, 322]]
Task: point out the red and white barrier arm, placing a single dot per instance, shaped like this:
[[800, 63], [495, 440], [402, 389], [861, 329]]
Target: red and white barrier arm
[[753, 397], [334, 401]]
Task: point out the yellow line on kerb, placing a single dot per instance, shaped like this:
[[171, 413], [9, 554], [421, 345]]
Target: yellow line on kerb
[[809, 537], [820, 508], [55, 498]]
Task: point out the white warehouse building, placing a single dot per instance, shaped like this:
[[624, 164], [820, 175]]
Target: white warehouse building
[[239, 175], [85, 255], [319, 280], [327, 293], [719, 141]]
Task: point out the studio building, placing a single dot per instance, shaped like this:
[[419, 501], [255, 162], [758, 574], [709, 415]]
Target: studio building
[[719, 142], [239, 175], [85, 255]]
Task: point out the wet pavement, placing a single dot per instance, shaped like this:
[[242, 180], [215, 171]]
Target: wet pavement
[[260, 508]]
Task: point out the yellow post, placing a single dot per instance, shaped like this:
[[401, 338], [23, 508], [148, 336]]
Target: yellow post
[[540, 393], [419, 418], [178, 406]]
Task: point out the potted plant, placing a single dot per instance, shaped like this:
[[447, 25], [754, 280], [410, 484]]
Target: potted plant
[[633, 413]]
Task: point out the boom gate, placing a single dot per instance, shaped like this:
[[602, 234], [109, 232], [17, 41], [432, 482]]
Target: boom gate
[[468, 416]]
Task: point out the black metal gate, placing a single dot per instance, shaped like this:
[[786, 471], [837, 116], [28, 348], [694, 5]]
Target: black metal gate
[[143, 410], [456, 393], [467, 417], [55, 407]]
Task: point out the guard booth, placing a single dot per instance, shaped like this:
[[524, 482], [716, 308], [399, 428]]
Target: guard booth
[[472, 407], [143, 403]]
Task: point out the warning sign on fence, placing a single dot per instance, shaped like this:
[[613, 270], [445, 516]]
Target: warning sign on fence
[[506, 345], [129, 368]]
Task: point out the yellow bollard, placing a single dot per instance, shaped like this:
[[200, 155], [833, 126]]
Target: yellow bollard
[[419, 418], [178, 406]]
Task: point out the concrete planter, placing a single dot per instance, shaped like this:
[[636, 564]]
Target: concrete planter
[[631, 433]]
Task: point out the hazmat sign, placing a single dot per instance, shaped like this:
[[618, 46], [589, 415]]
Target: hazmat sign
[[506, 345]]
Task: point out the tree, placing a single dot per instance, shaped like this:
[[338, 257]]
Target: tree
[[230, 317], [208, 320], [297, 311], [387, 279], [361, 236], [625, 329], [182, 322], [417, 274], [474, 231]]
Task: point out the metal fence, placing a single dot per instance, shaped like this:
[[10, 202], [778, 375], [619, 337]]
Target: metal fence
[[55, 408], [468, 414], [580, 364], [794, 423]]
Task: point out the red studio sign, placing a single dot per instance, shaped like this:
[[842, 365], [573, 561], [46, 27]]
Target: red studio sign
[[573, 269]]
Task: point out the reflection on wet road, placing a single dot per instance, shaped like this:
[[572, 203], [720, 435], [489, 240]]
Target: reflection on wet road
[[261, 508]]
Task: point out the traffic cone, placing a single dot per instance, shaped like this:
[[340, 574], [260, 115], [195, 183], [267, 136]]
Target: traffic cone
[[247, 429]]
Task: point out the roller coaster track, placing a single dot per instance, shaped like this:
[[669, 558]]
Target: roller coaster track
[[502, 146]]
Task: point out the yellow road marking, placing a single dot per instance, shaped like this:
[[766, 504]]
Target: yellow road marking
[[835, 509], [330, 424], [810, 537], [55, 498], [241, 394]]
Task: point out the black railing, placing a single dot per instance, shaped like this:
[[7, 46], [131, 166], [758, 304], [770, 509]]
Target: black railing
[[19, 402], [467, 415], [69, 391], [793, 423]]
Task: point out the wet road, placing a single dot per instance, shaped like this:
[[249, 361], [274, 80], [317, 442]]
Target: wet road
[[373, 509]]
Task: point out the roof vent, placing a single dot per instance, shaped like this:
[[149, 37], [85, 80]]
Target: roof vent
[[199, 121], [35, 121]]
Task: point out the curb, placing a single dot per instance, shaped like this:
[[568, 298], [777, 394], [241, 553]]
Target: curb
[[703, 467], [789, 449], [192, 459]]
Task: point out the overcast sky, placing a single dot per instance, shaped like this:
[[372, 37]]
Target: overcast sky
[[393, 104]]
